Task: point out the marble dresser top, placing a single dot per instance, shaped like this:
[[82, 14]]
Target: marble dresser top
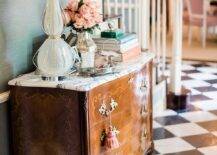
[[79, 83]]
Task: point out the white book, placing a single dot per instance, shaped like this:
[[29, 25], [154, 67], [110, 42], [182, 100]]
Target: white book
[[118, 48]]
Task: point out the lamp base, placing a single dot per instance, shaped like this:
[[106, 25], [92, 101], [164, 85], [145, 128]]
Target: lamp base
[[54, 78]]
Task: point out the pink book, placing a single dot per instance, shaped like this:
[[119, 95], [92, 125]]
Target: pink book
[[131, 53]]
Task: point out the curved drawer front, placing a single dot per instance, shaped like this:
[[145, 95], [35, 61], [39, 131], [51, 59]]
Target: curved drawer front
[[117, 90], [130, 117]]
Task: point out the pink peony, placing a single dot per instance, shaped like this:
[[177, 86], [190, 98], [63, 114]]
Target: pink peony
[[85, 16], [72, 5], [79, 21], [85, 11], [89, 23]]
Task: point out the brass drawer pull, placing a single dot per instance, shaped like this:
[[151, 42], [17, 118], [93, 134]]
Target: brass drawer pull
[[131, 79], [143, 111], [144, 134], [144, 137], [144, 86], [144, 114]]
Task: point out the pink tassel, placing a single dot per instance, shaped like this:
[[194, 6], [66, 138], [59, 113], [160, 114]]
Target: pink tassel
[[111, 141]]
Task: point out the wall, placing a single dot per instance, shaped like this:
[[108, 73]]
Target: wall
[[20, 31], [20, 26], [20, 36]]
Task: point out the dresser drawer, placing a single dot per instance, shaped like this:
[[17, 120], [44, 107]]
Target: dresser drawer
[[118, 90], [130, 117], [130, 90]]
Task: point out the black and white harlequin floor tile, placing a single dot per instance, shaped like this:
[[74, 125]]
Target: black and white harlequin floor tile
[[192, 131]]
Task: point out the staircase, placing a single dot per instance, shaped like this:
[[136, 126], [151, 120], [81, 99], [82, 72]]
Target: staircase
[[147, 18], [158, 46]]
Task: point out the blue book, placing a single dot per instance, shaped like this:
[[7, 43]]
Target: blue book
[[121, 40]]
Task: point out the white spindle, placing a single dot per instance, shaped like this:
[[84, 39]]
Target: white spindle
[[145, 7], [123, 14], [116, 7], [140, 22], [177, 48], [158, 30], [130, 15], [108, 7], [153, 26], [164, 33], [136, 16]]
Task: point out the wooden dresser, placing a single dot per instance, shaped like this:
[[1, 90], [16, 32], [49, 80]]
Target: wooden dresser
[[65, 119]]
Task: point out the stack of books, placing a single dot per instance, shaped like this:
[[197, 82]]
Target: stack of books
[[125, 47]]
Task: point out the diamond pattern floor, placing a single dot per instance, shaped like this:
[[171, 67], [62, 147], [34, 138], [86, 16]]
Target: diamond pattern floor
[[192, 131]]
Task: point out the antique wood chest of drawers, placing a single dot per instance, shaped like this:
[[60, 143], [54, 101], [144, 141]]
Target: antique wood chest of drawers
[[48, 120]]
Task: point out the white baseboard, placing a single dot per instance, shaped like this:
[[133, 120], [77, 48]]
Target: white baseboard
[[4, 97]]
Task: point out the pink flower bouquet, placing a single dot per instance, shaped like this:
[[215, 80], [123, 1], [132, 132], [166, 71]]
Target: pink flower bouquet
[[82, 15]]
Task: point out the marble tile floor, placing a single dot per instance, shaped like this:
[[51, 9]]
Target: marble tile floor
[[192, 131]]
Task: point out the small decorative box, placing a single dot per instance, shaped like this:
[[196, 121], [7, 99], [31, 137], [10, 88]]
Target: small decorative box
[[112, 33]]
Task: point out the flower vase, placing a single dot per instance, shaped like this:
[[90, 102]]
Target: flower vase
[[87, 49]]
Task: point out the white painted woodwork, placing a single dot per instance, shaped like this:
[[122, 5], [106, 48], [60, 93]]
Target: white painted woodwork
[[171, 22], [158, 43], [139, 21], [145, 18], [130, 21], [204, 29], [164, 36], [175, 85], [136, 15], [159, 49], [153, 35], [4, 97], [136, 22], [159, 33], [159, 97], [108, 8], [116, 6]]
